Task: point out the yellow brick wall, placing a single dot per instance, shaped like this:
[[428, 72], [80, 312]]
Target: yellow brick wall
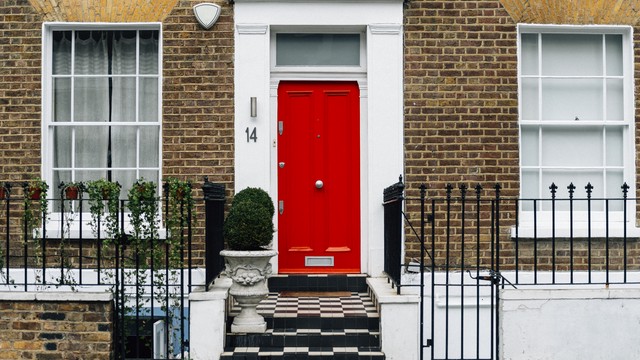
[[104, 10], [575, 12], [56, 330]]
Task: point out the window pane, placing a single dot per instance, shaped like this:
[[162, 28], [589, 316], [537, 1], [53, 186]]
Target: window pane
[[614, 147], [124, 99], [123, 146], [571, 54], [62, 147], [149, 136], [614, 190], [530, 97], [579, 178], [87, 175], [61, 53], [568, 99], [148, 108], [529, 54], [92, 55], [124, 52], [615, 100], [126, 178], [317, 49], [91, 99], [530, 146], [149, 52], [92, 144], [62, 99], [572, 147], [149, 175], [614, 55], [530, 186]]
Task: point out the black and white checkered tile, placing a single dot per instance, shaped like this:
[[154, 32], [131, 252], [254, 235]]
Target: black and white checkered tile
[[276, 306], [320, 353], [313, 327]]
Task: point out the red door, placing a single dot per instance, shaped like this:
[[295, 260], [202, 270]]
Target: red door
[[319, 177]]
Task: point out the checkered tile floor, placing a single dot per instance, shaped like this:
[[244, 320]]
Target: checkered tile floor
[[276, 306], [311, 327]]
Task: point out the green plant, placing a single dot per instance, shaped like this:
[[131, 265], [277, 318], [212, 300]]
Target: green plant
[[36, 210], [256, 196], [249, 225], [104, 194], [144, 215], [35, 192], [179, 204]]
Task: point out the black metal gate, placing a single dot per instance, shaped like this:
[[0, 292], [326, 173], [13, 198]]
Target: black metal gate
[[459, 247]]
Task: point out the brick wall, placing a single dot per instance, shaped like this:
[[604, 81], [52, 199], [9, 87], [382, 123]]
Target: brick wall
[[52, 326], [20, 33], [197, 88], [197, 91], [461, 103], [461, 110]]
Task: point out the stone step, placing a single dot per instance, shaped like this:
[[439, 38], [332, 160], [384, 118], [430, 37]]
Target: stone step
[[321, 282], [302, 353], [358, 338]]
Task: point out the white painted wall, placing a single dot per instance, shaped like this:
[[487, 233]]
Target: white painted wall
[[381, 97], [589, 312], [207, 321], [570, 324], [397, 314]]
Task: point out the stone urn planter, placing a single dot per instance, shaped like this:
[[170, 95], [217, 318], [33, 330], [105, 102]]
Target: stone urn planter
[[249, 271], [248, 231]]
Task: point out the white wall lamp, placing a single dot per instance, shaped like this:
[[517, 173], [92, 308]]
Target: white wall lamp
[[207, 14], [254, 106]]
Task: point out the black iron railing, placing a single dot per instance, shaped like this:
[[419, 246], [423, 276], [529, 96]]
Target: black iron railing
[[56, 244], [471, 241]]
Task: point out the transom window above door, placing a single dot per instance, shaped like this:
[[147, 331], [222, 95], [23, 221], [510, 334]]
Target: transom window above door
[[318, 51], [102, 107]]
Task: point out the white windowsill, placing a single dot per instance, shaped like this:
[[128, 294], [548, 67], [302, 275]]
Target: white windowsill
[[579, 230], [54, 230]]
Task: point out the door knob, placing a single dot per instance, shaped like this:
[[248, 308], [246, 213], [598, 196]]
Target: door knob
[[319, 184]]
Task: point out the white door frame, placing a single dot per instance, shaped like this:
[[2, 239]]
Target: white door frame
[[381, 99]]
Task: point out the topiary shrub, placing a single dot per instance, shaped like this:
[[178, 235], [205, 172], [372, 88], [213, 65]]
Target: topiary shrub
[[249, 225], [256, 196]]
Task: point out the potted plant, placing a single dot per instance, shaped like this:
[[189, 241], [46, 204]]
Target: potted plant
[[248, 231], [103, 191], [35, 192], [71, 190]]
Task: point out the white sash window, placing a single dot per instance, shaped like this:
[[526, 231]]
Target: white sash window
[[576, 120], [102, 104]]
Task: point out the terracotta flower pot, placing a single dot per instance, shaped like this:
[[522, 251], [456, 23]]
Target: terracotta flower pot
[[71, 192], [35, 193]]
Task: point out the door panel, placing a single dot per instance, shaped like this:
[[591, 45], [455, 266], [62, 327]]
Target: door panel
[[319, 177]]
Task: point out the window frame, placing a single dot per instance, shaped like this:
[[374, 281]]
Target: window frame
[[47, 122], [580, 224]]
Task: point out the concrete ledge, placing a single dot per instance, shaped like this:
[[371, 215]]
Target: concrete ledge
[[54, 296], [219, 291], [569, 294], [385, 294]]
